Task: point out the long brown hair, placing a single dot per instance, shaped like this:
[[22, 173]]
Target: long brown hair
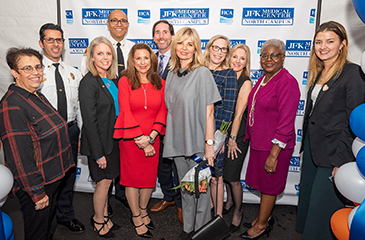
[[316, 65], [132, 74]]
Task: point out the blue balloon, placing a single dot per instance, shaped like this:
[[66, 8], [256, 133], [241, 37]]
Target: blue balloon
[[357, 121], [8, 227], [360, 161], [359, 6]]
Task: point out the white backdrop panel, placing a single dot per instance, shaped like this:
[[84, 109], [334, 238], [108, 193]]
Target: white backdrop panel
[[248, 22]]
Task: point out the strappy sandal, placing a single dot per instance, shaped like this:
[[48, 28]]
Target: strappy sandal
[[150, 224], [106, 235], [115, 226], [147, 234]]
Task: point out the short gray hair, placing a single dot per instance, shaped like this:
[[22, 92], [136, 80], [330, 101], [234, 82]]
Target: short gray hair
[[276, 42]]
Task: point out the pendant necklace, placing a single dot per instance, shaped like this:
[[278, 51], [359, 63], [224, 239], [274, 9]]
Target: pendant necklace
[[251, 119], [145, 95]]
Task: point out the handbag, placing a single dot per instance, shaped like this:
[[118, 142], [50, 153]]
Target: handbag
[[215, 229]]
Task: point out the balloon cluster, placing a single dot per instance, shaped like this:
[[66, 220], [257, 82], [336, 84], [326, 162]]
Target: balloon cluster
[[6, 225], [349, 223]]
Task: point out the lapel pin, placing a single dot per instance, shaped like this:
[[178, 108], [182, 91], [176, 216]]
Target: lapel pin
[[325, 87]]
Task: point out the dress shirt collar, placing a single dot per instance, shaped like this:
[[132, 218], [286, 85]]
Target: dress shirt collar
[[48, 62], [22, 91], [114, 42]]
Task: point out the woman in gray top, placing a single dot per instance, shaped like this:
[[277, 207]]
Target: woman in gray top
[[190, 94]]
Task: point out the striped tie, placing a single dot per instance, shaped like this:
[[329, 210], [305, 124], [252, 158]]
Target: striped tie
[[160, 65]]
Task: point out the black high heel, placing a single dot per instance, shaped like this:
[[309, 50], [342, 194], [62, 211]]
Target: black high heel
[[233, 228], [115, 226], [270, 222], [106, 235], [147, 234], [266, 231], [150, 225], [226, 211]]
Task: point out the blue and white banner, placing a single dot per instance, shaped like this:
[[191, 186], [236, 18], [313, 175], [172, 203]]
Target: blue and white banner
[[246, 21]]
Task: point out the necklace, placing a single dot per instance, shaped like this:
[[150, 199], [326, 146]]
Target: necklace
[[251, 119], [145, 95]]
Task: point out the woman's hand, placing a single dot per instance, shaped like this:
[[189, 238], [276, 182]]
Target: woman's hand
[[270, 164], [232, 149], [149, 151], [101, 162], [142, 141], [43, 203], [334, 171], [222, 150], [209, 154]]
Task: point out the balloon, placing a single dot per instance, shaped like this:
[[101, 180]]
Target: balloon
[[350, 183], [359, 6], [362, 62], [357, 121], [360, 161], [3, 200], [351, 216], [6, 180], [339, 223], [8, 226], [357, 144]]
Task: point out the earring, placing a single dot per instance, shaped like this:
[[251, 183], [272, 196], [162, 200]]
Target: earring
[[340, 51]]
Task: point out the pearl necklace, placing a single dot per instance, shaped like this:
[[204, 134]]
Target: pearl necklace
[[145, 95], [251, 119]]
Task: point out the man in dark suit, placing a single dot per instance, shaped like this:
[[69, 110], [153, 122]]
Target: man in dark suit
[[163, 33]]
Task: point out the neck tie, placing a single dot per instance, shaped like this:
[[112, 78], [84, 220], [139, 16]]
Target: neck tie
[[160, 65], [61, 94], [120, 59]]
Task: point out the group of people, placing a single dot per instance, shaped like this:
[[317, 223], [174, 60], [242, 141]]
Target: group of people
[[144, 114]]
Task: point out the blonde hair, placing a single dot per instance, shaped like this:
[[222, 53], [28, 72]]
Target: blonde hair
[[247, 69], [180, 36], [111, 73], [131, 71], [224, 64], [316, 65]]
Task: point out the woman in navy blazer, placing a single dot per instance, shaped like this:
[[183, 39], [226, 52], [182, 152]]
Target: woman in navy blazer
[[98, 94], [336, 87]]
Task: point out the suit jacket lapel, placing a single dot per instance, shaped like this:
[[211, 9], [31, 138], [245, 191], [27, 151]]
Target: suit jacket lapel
[[325, 88], [105, 89], [269, 86]]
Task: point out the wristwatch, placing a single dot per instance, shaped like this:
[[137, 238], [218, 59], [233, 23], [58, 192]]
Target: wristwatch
[[233, 137], [210, 142], [151, 141]]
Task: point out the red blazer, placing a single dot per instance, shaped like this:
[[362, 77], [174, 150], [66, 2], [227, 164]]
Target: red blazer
[[275, 111]]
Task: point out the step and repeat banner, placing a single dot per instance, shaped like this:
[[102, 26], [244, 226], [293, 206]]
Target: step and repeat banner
[[248, 22]]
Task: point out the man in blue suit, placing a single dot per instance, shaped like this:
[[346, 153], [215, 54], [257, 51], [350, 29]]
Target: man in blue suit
[[163, 33]]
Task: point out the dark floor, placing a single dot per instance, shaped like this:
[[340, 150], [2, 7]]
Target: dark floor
[[167, 225]]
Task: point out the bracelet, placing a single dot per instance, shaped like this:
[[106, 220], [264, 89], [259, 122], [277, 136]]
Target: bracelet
[[151, 140]]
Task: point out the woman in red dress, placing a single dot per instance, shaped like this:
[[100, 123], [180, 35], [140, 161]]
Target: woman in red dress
[[141, 120]]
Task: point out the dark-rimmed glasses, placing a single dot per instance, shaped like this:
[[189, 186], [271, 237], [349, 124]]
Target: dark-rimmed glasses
[[29, 69], [273, 56], [50, 40], [116, 21], [216, 49]]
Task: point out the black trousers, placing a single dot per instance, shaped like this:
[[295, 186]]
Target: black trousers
[[65, 211], [168, 178], [37, 223]]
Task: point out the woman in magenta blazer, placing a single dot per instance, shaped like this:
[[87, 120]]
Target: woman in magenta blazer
[[272, 106]]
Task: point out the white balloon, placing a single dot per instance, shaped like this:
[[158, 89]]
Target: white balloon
[[6, 180], [3, 200], [362, 62], [350, 183], [351, 216], [357, 144]]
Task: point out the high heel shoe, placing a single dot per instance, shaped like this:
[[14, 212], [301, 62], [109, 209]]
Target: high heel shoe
[[266, 231], [150, 225], [226, 211], [147, 234], [270, 222], [115, 226], [233, 228], [106, 235]]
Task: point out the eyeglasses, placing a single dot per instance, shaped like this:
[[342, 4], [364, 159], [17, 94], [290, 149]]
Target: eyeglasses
[[273, 56], [29, 69], [216, 49], [116, 21], [51, 40]]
